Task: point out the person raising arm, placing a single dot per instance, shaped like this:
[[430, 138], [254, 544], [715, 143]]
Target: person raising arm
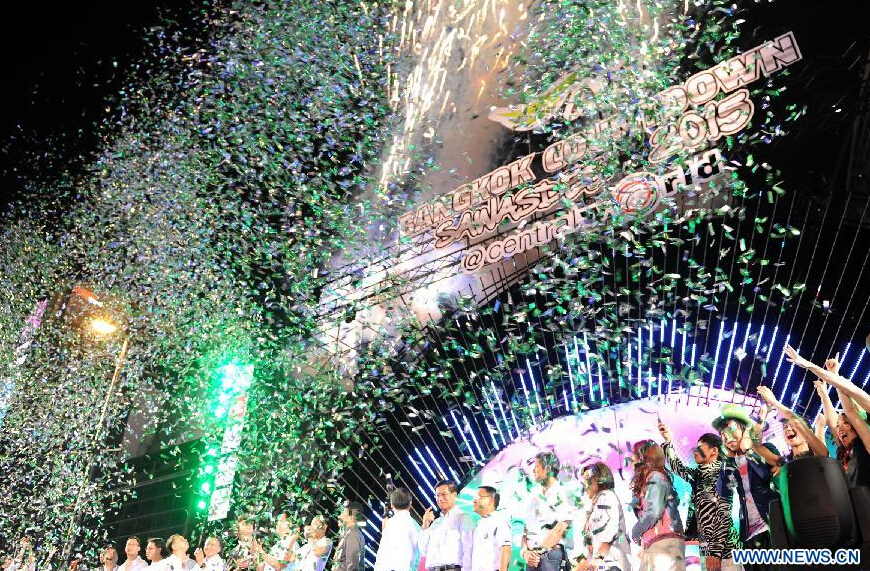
[[798, 435], [831, 376]]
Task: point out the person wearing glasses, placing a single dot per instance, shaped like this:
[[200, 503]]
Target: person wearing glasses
[[154, 553], [446, 542], [748, 470], [280, 556], [209, 557], [313, 555], [132, 549], [492, 536], [709, 518]]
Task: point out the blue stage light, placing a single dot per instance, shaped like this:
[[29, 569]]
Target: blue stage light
[[425, 464], [639, 361], [501, 408], [588, 366], [779, 364], [845, 353], [438, 464], [494, 417], [760, 337], [427, 497], [473, 437], [649, 373], [730, 355], [772, 342], [571, 376], [683, 349], [462, 435], [787, 383], [858, 362], [716, 358], [528, 399], [534, 385]]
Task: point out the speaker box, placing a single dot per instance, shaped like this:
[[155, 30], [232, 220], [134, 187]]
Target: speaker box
[[817, 505]]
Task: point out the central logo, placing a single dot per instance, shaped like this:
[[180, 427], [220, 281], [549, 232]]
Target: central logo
[[638, 193]]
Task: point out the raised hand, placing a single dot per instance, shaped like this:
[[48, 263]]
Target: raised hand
[[533, 558], [428, 518], [763, 413], [793, 357], [821, 388], [667, 436], [833, 364], [767, 396]]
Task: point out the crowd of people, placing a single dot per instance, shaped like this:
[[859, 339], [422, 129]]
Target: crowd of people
[[731, 460]]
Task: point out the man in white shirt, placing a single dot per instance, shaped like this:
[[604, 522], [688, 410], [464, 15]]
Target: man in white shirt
[[446, 542], [492, 536], [154, 554], [242, 556], [108, 559], [313, 555], [548, 519], [279, 557], [131, 550], [209, 557], [399, 536]]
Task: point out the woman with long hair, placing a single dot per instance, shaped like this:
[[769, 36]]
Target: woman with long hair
[[659, 529], [850, 429], [605, 523]]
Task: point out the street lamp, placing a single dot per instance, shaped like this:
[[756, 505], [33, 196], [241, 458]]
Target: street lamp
[[103, 328]]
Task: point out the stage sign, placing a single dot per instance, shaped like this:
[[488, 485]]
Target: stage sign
[[564, 186]]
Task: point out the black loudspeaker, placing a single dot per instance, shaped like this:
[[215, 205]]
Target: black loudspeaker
[[779, 538], [817, 505]]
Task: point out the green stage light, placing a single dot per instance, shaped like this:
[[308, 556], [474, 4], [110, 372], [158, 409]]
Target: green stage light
[[228, 406]]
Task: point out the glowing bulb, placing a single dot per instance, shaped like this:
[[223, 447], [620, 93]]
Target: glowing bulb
[[101, 326]]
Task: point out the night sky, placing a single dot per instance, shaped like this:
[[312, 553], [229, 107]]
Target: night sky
[[64, 65], [66, 62]]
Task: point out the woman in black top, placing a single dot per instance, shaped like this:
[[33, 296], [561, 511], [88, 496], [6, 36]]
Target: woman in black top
[[850, 428], [801, 440]]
